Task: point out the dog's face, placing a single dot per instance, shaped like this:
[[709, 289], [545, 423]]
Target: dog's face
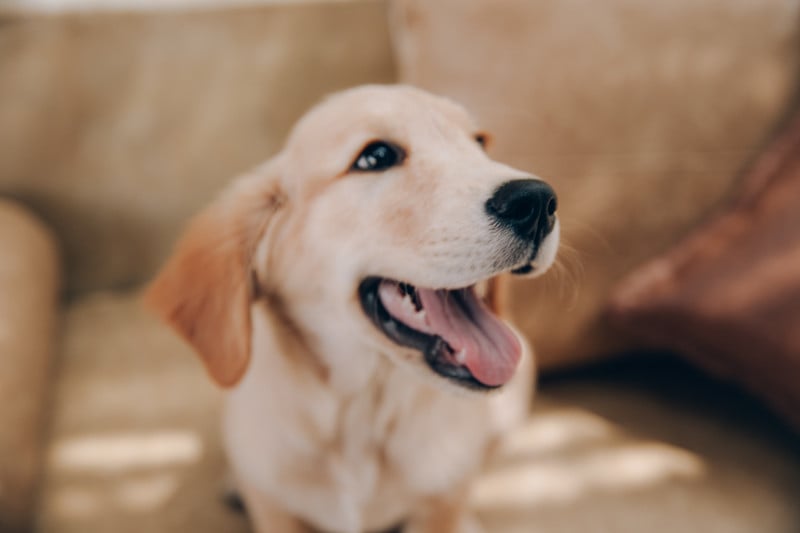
[[370, 231]]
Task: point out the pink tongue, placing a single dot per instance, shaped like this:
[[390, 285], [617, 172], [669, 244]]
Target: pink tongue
[[490, 350], [481, 342]]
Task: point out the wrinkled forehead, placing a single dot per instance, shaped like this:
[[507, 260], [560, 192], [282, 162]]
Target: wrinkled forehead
[[396, 113]]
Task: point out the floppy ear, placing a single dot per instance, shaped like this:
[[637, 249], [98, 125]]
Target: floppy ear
[[205, 290]]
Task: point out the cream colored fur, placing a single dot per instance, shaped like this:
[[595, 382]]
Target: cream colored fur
[[328, 423]]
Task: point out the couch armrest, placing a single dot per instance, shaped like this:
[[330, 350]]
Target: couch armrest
[[29, 286]]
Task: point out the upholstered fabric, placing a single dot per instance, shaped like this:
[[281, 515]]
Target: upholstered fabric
[[729, 296], [117, 127], [29, 283], [135, 446], [134, 436], [639, 113]]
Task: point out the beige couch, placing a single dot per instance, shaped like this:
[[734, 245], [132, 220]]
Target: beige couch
[[115, 127]]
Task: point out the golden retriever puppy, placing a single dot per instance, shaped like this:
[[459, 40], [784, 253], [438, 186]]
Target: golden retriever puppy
[[340, 294]]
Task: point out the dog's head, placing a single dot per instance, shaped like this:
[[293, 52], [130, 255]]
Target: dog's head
[[372, 232]]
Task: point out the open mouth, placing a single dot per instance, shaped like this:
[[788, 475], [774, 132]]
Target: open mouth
[[459, 336]]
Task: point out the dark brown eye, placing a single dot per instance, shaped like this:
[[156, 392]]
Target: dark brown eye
[[482, 139], [378, 156]]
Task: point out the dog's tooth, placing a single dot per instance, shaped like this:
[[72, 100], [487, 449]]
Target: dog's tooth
[[461, 356], [408, 305]]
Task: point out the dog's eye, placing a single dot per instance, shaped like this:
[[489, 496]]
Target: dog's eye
[[378, 156], [482, 139]]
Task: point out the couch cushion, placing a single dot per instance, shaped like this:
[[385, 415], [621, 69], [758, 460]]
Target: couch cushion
[[135, 446], [639, 114], [134, 436], [728, 297], [117, 126], [644, 445], [30, 275]]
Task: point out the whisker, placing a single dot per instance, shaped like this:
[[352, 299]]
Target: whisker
[[565, 278]]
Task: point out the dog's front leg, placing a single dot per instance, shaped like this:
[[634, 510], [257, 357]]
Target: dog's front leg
[[440, 515], [265, 516]]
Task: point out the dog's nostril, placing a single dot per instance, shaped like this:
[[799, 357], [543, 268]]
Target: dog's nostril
[[552, 205], [526, 206]]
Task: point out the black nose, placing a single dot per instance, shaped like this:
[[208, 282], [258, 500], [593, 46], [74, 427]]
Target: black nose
[[528, 207]]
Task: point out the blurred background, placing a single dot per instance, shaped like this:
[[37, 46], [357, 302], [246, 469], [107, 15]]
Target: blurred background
[[668, 337]]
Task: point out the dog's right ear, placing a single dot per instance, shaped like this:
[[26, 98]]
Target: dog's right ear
[[205, 290]]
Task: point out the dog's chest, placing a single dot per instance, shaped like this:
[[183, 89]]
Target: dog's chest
[[362, 461]]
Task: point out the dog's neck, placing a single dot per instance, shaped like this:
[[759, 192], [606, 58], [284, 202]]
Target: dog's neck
[[335, 434], [288, 338], [329, 358]]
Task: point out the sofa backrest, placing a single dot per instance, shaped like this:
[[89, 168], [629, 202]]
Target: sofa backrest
[[116, 127]]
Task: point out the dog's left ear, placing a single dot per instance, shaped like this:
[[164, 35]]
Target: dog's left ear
[[206, 288]]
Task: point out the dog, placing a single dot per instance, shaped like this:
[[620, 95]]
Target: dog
[[345, 294]]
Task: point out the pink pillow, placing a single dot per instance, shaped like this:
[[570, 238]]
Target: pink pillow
[[728, 296]]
